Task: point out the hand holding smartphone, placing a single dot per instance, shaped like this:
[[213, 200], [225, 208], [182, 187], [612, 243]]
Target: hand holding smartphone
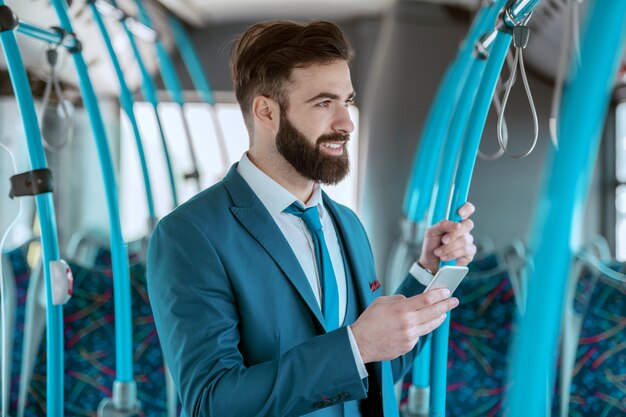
[[448, 277]]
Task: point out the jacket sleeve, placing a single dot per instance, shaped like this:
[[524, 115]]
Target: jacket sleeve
[[196, 316]]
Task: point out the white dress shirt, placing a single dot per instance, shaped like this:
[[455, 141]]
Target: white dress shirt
[[276, 198]]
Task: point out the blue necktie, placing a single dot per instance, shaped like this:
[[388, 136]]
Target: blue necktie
[[330, 294], [390, 404]]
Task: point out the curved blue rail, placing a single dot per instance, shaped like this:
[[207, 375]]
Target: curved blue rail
[[168, 71], [467, 158], [439, 357], [199, 78], [119, 252], [418, 196], [476, 123], [191, 60], [172, 83], [560, 211], [148, 87], [127, 102], [47, 222], [518, 11]]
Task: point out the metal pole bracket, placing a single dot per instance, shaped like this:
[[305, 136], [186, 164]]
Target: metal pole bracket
[[38, 181]]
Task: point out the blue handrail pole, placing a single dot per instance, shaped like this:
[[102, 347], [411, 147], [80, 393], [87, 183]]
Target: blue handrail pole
[[107, 9], [50, 36], [47, 219], [439, 358], [418, 195], [191, 60], [559, 217], [173, 85], [148, 87], [199, 79], [457, 130], [476, 123], [454, 140], [419, 188], [127, 102], [124, 387]]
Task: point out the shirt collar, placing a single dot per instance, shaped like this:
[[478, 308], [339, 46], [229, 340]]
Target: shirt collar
[[274, 196]]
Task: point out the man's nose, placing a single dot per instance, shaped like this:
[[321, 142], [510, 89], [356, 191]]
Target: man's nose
[[343, 122]]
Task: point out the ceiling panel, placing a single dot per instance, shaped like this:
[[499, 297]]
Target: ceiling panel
[[545, 40]]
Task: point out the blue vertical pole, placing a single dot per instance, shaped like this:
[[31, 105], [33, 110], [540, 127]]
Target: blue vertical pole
[[467, 158], [191, 60], [419, 188], [453, 143], [476, 123], [418, 194], [126, 102], [559, 219], [149, 90], [172, 83], [168, 71], [518, 11], [121, 278], [199, 79], [454, 140], [47, 221]]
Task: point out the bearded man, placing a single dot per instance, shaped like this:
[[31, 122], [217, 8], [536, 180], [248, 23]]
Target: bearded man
[[264, 290]]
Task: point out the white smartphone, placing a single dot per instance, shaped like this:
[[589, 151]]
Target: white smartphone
[[448, 277]]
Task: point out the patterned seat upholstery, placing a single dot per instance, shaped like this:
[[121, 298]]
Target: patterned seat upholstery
[[21, 272], [598, 385], [480, 335], [90, 347]]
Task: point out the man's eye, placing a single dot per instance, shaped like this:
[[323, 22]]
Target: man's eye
[[324, 103], [349, 103]]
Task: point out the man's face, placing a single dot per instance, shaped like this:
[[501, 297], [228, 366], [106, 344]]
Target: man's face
[[316, 127]]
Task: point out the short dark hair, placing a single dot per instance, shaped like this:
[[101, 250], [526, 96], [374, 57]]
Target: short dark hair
[[263, 57]]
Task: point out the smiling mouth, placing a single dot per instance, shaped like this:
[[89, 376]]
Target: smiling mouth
[[333, 145]]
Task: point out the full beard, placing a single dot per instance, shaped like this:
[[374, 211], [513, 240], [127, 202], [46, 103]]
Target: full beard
[[309, 160]]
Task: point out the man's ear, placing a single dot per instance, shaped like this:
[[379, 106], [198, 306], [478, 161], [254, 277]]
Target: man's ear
[[266, 113]]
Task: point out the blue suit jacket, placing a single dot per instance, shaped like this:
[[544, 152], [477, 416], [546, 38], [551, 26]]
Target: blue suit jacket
[[240, 328]]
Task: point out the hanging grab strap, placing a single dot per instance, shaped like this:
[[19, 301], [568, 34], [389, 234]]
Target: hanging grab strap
[[46, 122], [570, 44], [497, 105], [521, 34]]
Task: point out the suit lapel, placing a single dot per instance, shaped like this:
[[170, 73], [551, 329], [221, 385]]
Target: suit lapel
[[253, 216], [355, 260], [359, 272]]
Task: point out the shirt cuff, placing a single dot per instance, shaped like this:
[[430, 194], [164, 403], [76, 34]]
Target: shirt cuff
[[357, 355], [420, 274]]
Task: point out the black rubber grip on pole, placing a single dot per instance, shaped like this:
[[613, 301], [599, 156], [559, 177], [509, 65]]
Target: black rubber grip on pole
[[8, 19]]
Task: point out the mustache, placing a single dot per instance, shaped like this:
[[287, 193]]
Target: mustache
[[333, 137]]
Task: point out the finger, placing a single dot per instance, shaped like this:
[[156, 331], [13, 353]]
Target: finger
[[445, 251], [464, 260], [420, 301], [466, 210], [430, 326], [443, 227], [466, 226], [433, 311], [462, 252]]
